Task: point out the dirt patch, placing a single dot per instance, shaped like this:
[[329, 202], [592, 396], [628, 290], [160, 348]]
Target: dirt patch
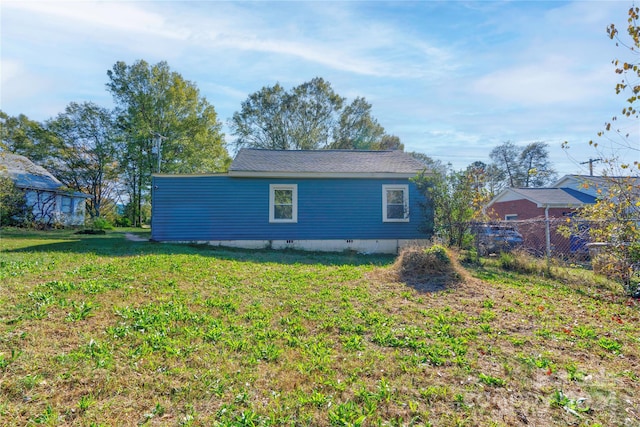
[[135, 238]]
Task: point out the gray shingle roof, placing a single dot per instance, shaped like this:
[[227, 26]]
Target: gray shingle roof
[[601, 182], [555, 196], [26, 174], [324, 162]]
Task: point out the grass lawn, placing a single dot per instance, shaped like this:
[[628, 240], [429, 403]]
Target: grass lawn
[[101, 330]]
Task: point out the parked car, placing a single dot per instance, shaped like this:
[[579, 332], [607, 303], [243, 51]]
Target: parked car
[[496, 238]]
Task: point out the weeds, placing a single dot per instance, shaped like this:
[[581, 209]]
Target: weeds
[[491, 380], [572, 406], [80, 311], [193, 335], [6, 361]]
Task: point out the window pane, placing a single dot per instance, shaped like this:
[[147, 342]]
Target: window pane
[[395, 197], [283, 212], [66, 205], [283, 197], [395, 211]]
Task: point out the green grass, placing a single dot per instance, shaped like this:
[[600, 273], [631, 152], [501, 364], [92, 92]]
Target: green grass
[[99, 330]]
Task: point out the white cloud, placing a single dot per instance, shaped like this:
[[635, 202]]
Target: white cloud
[[555, 80], [98, 16], [18, 82], [332, 37]]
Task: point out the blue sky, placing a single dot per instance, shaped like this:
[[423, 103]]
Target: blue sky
[[451, 79]]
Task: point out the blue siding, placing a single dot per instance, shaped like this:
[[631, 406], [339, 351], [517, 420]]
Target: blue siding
[[187, 208]]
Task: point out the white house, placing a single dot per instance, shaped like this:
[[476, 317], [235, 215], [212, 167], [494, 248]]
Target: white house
[[50, 202]]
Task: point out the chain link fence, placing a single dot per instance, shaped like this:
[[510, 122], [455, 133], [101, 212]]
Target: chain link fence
[[540, 237], [568, 241]]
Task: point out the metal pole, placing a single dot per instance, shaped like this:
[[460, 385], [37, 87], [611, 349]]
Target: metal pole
[[158, 143], [547, 232], [158, 139]]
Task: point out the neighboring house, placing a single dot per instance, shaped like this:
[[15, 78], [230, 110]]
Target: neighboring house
[[543, 204], [595, 185], [528, 203], [45, 196], [328, 200]]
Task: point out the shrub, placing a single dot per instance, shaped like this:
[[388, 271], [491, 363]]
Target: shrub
[[101, 224], [621, 264], [522, 262], [13, 209], [123, 221]]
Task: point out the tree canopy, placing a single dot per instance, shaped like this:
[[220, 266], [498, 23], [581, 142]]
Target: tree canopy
[[310, 116], [84, 153], [167, 126], [21, 135], [515, 166], [154, 103]]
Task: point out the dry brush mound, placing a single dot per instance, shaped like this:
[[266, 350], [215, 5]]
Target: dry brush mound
[[428, 269]]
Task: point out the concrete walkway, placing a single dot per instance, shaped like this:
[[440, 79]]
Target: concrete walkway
[[135, 238]]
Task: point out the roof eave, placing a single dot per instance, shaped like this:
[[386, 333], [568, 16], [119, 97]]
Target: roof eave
[[561, 205], [55, 190], [334, 175]]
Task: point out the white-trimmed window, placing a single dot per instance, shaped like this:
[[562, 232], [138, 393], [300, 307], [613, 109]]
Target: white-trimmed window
[[511, 217], [395, 203], [283, 203]]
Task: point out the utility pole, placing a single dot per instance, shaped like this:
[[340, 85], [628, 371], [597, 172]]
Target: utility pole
[[158, 147], [591, 162]]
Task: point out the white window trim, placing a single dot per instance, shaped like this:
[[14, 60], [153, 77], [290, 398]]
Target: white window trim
[[405, 191], [294, 201], [70, 209], [511, 217]]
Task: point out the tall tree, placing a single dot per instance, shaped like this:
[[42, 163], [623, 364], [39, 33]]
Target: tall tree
[[527, 166], [21, 135], [357, 129], [311, 116], [433, 165], [312, 109], [263, 121], [505, 157], [168, 126], [388, 142], [536, 170], [86, 151]]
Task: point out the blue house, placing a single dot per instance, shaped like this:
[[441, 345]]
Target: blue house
[[326, 200]]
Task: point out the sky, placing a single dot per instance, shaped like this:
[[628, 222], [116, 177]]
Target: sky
[[451, 79]]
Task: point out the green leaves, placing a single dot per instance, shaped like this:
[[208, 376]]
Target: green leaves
[[168, 127], [310, 116]]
